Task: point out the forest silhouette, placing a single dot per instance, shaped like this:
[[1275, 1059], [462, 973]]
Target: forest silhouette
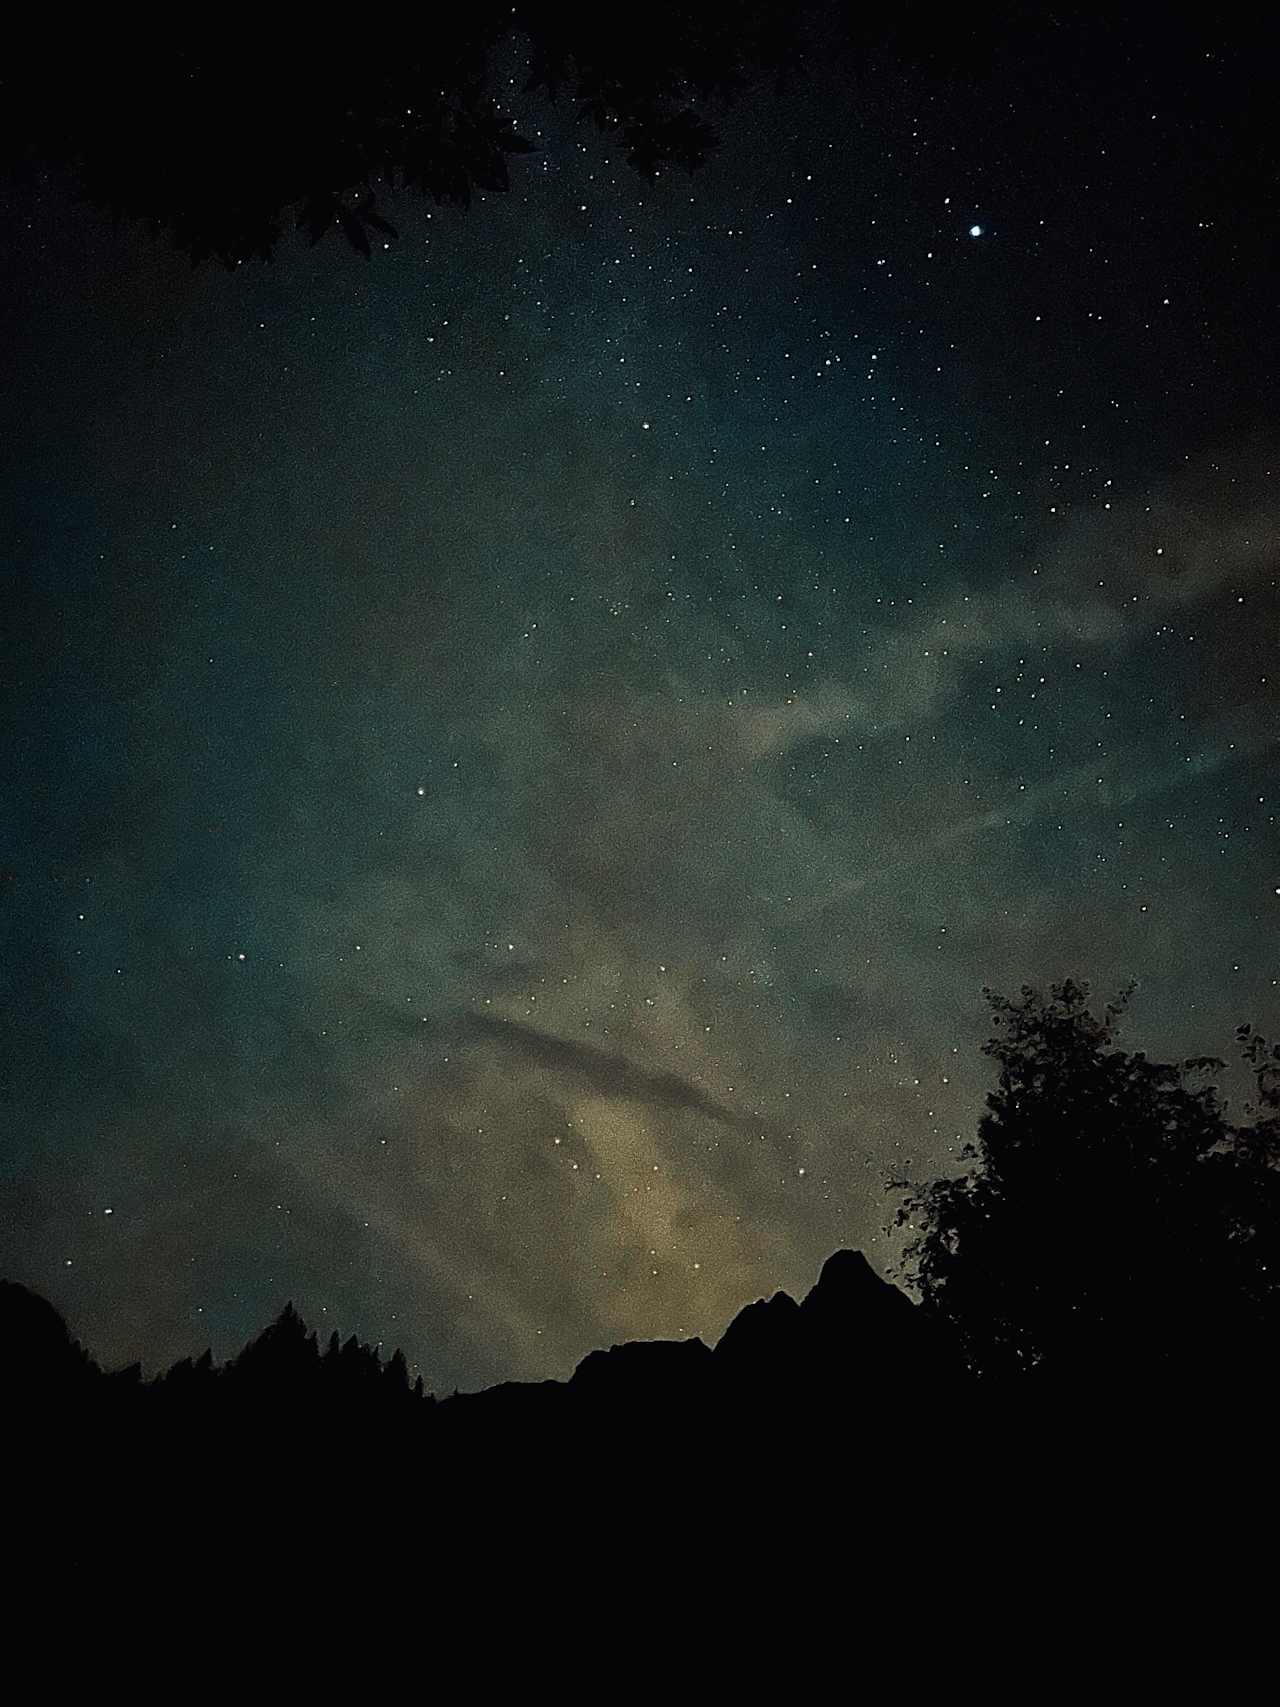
[[1109, 1250]]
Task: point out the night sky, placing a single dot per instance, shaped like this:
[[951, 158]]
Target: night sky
[[520, 756]]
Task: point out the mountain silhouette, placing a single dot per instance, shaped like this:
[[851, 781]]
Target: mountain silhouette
[[854, 1340], [851, 1406]]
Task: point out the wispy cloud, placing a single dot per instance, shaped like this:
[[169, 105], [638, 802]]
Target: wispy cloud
[[603, 1071]]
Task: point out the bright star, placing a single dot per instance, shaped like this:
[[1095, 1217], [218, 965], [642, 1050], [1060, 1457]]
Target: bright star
[[975, 231]]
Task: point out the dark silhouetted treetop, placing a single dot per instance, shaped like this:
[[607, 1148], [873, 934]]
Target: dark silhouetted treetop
[[1112, 1219], [222, 138]]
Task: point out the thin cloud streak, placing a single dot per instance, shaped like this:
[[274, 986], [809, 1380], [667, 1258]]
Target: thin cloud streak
[[1057, 796], [605, 1072]]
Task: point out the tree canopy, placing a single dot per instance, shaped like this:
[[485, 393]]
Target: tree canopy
[[222, 139], [1112, 1219]]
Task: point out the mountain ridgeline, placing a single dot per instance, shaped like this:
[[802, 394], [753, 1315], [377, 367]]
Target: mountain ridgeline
[[1111, 1248], [855, 1349], [852, 1329]]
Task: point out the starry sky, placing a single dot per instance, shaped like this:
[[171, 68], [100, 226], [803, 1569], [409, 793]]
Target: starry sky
[[520, 756]]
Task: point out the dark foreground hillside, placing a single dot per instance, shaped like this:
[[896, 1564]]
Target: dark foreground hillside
[[833, 1448]]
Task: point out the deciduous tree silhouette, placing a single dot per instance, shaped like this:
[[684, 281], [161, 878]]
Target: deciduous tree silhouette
[[222, 138], [1113, 1223]]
